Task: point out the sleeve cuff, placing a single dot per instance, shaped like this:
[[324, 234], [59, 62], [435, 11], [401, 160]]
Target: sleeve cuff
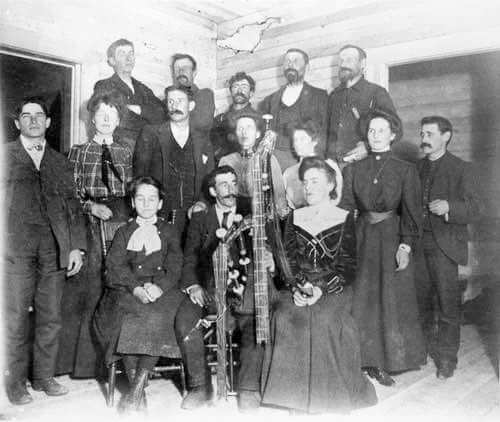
[[404, 247]]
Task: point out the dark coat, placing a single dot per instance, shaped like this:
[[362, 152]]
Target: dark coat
[[343, 128], [63, 207], [456, 182], [123, 324], [202, 115], [152, 109], [201, 243], [384, 300], [312, 104], [151, 155]]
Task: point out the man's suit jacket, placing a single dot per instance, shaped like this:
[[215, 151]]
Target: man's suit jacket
[[151, 155], [201, 242], [312, 105], [202, 116], [454, 181], [63, 207], [152, 109]]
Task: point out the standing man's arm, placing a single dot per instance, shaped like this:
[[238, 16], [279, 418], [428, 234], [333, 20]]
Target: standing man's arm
[[152, 109], [468, 208], [331, 130], [322, 113]]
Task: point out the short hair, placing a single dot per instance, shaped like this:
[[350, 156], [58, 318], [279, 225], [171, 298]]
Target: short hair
[[392, 118], [361, 52], [35, 99], [443, 124], [180, 56], [298, 50], [249, 114], [118, 43], [216, 172], [312, 128], [241, 76], [320, 164], [133, 186], [187, 90], [111, 98]]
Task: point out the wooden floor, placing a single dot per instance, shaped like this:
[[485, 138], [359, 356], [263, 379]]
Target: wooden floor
[[473, 394]]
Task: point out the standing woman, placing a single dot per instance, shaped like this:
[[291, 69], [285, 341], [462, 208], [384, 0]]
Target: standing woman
[[385, 191], [102, 169], [313, 364]]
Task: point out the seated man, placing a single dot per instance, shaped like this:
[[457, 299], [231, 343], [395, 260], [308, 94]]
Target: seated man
[[197, 280]]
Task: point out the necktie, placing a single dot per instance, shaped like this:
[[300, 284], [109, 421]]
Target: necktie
[[35, 147], [225, 218], [107, 162]]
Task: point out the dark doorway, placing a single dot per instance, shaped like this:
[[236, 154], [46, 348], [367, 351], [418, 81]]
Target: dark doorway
[[22, 75]]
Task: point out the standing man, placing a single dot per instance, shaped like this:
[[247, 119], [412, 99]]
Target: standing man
[[450, 202], [184, 70], [348, 102], [45, 239], [175, 154], [294, 102], [222, 135], [143, 106]]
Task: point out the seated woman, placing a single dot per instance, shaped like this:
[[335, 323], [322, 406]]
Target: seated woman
[[313, 364], [102, 169], [306, 141], [135, 317]]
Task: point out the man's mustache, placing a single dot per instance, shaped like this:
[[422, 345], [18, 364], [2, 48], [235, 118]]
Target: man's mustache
[[425, 144], [240, 95], [175, 112], [231, 195], [345, 69]]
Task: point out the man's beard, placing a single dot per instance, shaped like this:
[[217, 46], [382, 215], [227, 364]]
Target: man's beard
[[292, 76], [240, 99], [183, 80], [346, 74]]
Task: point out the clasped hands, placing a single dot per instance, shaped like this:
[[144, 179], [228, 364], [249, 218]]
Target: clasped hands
[[300, 299], [148, 293]]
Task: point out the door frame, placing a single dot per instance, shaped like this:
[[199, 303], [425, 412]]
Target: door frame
[[76, 71], [380, 59]]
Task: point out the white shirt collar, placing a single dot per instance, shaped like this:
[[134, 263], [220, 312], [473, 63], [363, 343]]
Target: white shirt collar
[[101, 139], [28, 143], [437, 158], [220, 213]]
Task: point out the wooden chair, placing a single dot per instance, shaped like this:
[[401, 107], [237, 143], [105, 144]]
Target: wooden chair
[[232, 348], [173, 363]]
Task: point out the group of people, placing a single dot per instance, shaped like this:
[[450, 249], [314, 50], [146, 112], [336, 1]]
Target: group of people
[[372, 242]]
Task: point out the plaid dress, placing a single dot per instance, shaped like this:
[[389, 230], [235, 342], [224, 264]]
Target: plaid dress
[[77, 351]]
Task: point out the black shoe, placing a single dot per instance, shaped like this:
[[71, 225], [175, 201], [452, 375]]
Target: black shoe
[[248, 401], [17, 393], [196, 398], [445, 370], [380, 375], [50, 386]]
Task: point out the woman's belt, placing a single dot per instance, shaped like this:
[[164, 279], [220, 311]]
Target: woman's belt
[[376, 217]]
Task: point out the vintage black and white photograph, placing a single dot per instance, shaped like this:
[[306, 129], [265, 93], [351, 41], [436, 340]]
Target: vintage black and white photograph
[[239, 210]]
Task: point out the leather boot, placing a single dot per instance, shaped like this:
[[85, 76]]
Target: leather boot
[[135, 399]]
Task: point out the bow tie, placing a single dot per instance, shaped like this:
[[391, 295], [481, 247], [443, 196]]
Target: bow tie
[[35, 147]]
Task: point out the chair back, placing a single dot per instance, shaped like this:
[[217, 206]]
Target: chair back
[[108, 230]]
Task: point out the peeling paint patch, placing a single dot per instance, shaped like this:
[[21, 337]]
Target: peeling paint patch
[[247, 37]]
